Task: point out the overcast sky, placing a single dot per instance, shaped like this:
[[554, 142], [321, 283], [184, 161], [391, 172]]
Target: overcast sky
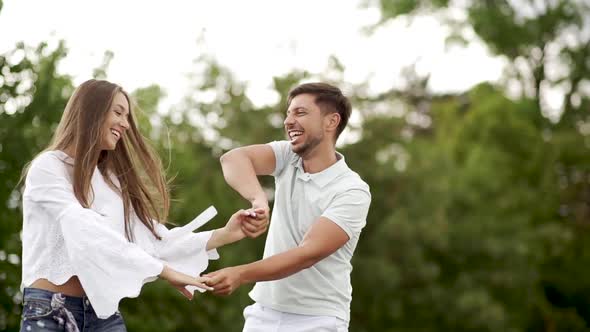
[[156, 42]]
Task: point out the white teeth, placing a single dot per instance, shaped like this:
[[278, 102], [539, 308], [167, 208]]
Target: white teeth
[[294, 134], [116, 133]]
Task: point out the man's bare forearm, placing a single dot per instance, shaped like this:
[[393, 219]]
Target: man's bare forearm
[[278, 266], [239, 173]]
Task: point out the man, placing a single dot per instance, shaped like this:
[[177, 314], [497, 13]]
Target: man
[[320, 208]]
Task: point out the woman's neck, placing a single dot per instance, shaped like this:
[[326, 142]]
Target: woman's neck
[[70, 151]]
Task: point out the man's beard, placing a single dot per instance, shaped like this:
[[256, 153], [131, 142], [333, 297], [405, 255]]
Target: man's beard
[[304, 149]]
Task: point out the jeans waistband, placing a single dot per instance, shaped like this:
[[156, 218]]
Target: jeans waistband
[[42, 294]]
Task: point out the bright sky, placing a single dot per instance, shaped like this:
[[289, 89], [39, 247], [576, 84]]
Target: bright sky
[[156, 42]]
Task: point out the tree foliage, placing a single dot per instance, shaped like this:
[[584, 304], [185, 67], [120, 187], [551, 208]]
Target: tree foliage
[[479, 219]]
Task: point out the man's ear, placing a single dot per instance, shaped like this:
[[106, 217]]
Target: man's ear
[[332, 121]]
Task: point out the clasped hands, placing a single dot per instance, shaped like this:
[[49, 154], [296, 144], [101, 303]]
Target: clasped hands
[[227, 280], [244, 223]]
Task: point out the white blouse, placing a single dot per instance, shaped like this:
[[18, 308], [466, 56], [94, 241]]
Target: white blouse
[[62, 239]]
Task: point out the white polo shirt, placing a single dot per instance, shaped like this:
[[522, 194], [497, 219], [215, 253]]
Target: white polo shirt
[[336, 193]]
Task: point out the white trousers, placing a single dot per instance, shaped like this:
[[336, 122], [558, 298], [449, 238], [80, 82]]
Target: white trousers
[[263, 319]]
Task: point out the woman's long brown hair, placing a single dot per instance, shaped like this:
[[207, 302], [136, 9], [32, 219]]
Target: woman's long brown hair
[[142, 184]]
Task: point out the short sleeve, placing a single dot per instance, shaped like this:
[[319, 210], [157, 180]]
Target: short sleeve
[[349, 210], [283, 154]]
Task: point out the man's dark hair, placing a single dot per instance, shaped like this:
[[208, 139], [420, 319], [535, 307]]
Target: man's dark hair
[[328, 98]]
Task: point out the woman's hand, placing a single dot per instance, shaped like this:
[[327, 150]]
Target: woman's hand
[[235, 229], [180, 280]]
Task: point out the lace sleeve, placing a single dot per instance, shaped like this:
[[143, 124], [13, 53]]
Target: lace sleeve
[[184, 250]]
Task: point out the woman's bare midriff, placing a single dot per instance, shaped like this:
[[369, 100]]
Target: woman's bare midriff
[[72, 287]]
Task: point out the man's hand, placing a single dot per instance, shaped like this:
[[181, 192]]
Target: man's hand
[[258, 224], [224, 281]]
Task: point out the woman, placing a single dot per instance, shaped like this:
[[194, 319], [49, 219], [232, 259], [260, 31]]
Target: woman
[[89, 208]]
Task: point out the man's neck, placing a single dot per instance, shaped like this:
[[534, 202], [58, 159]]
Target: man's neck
[[320, 158]]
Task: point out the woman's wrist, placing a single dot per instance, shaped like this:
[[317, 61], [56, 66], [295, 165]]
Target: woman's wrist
[[219, 238], [228, 236]]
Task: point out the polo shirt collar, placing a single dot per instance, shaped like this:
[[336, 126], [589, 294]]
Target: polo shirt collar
[[324, 177]]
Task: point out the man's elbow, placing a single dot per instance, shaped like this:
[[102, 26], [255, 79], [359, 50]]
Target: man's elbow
[[229, 156], [224, 157], [226, 161]]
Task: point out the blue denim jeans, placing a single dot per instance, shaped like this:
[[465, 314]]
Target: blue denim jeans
[[48, 311]]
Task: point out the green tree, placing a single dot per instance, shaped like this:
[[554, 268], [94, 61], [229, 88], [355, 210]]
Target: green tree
[[32, 96], [545, 42], [546, 45]]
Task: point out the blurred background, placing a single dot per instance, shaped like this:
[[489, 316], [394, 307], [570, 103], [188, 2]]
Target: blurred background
[[470, 125]]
